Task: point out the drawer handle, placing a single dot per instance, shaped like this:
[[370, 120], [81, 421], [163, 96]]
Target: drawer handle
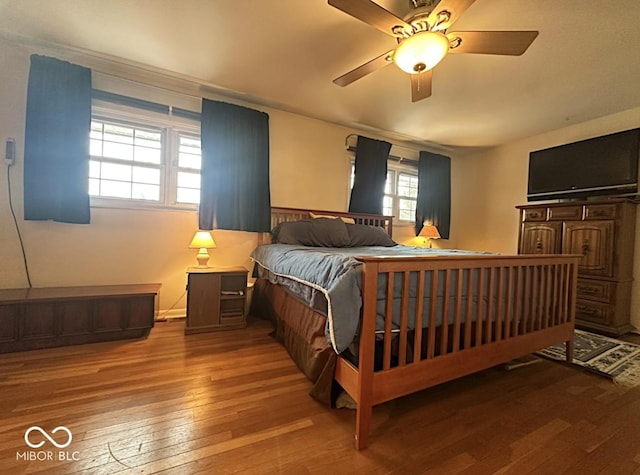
[[538, 246], [585, 247]]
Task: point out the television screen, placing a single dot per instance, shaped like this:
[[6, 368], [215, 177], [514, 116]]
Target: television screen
[[606, 165]]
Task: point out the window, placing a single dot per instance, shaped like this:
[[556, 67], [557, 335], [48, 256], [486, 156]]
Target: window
[[142, 158], [400, 192], [188, 172]]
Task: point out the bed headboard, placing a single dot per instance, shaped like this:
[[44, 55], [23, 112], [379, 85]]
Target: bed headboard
[[283, 215]]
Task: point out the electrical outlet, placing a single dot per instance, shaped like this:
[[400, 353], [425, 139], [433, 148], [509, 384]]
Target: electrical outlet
[[10, 152]]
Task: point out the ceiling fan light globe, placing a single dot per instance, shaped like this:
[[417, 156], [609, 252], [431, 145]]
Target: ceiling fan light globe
[[421, 52]]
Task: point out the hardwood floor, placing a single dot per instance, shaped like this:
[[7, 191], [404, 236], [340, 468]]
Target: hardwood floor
[[233, 402]]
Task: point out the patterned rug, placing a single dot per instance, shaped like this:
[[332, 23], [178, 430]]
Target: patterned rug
[[609, 357]]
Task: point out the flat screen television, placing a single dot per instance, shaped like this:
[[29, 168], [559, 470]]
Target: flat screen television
[[606, 165]]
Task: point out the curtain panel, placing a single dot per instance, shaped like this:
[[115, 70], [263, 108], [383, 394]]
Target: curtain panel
[[56, 151], [367, 194], [235, 191], [434, 192]]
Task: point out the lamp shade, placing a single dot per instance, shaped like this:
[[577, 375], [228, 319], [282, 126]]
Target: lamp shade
[[421, 52], [202, 239], [429, 231]]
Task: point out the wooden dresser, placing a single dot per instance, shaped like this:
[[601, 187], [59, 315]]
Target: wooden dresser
[[603, 232]]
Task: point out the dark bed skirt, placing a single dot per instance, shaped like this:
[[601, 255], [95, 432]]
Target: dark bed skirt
[[300, 330]]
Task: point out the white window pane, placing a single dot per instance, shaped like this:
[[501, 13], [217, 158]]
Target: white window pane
[[148, 155], [387, 206], [146, 175], [407, 209], [145, 192], [406, 216], [117, 133], [145, 138], [95, 148], [94, 169], [115, 189], [388, 185], [148, 144], [118, 150], [189, 180], [189, 144], [189, 149], [407, 185], [189, 153], [115, 171], [94, 187], [190, 161], [188, 195]]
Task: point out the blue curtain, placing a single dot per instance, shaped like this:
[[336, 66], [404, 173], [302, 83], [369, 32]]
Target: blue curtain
[[235, 191], [434, 192], [370, 175], [56, 151]]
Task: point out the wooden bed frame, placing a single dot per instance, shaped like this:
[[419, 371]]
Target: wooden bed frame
[[531, 305]]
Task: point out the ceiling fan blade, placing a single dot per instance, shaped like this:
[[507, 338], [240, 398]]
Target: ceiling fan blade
[[371, 13], [363, 70], [420, 86], [512, 43], [454, 9]]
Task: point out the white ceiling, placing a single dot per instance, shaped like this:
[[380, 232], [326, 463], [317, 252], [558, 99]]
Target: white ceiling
[[285, 53]]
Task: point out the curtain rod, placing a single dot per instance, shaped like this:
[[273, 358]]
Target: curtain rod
[[395, 158]]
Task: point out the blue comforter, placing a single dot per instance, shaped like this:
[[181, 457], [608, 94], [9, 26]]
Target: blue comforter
[[337, 274]]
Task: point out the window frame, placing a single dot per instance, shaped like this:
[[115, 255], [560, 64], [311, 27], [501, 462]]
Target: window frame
[[395, 167], [171, 127]]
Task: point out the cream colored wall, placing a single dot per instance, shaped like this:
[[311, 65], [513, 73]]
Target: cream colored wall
[[488, 185], [309, 169]]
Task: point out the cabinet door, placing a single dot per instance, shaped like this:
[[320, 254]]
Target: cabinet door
[[594, 240], [203, 301], [540, 238]]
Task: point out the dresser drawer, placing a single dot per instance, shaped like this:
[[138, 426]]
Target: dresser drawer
[[562, 213], [537, 214], [598, 291], [603, 211], [593, 312]]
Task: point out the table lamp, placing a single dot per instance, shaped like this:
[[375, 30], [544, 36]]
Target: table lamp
[[429, 232], [202, 241]]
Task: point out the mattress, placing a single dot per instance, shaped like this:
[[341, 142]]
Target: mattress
[[329, 281]]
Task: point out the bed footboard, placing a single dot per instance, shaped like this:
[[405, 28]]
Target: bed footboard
[[446, 317]]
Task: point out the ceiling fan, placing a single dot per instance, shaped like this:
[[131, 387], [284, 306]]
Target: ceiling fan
[[424, 39]]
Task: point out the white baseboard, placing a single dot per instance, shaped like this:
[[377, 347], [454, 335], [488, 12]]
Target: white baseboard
[[171, 314]]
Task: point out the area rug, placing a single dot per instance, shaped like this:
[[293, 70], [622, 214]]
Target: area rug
[[609, 357]]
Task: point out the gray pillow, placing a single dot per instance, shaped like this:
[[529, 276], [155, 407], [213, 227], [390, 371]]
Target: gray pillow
[[363, 235], [319, 232]]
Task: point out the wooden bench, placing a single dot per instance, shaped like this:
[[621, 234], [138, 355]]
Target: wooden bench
[[60, 316]]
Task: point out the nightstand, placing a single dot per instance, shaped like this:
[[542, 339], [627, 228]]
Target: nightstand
[[216, 299]]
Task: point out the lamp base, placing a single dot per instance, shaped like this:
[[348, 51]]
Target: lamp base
[[203, 258]]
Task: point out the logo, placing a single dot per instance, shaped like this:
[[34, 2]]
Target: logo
[[48, 437], [36, 437]]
